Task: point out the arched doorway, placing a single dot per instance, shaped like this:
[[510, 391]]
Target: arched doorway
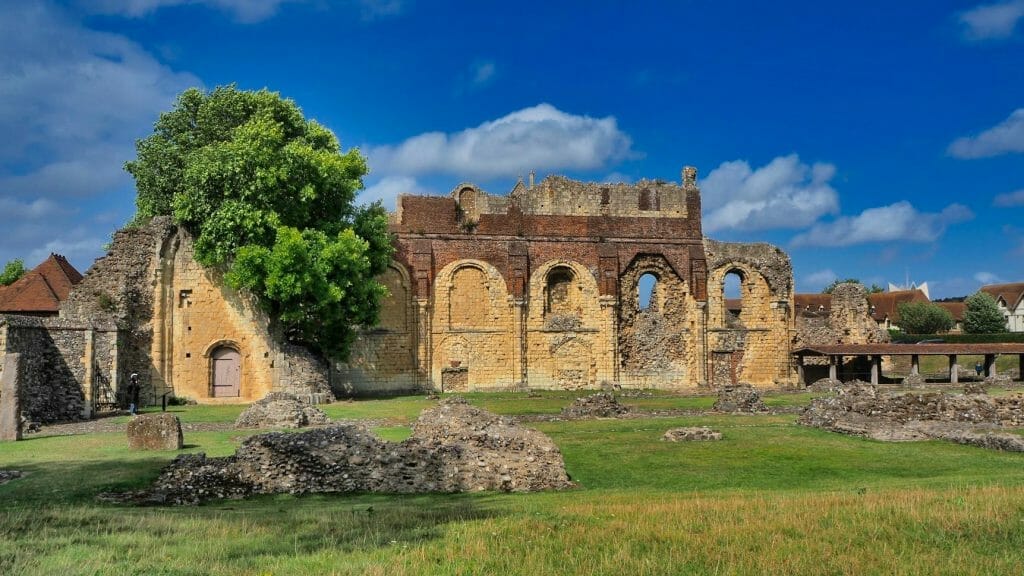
[[226, 373]]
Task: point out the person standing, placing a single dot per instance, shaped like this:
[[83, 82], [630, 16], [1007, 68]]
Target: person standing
[[133, 393]]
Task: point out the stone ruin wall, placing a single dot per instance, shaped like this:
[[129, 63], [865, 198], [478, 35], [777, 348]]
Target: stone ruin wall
[[849, 321], [66, 368], [755, 347], [540, 288]]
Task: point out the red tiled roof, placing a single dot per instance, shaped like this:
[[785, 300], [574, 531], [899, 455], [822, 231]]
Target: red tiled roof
[[886, 304], [955, 308], [1010, 293], [41, 290], [812, 303]]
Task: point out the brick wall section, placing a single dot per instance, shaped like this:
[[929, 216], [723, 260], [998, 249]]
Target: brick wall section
[[608, 236]]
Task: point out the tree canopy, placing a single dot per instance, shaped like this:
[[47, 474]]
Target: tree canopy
[[270, 197], [13, 270], [982, 315], [924, 318], [874, 288]]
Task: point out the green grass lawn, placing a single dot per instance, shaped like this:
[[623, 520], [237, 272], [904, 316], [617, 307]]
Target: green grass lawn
[[769, 498]]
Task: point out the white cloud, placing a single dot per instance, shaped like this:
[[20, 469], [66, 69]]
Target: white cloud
[[988, 278], [992, 21], [542, 138], [72, 103], [482, 72], [1015, 198], [617, 178], [785, 193], [821, 278], [247, 11], [388, 188], [1005, 137], [895, 222]]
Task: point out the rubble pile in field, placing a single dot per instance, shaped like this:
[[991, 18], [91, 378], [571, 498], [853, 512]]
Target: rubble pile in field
[[860, 409], [600, 405], [693, 433], [739, 398], [454, 447], [281, 410]]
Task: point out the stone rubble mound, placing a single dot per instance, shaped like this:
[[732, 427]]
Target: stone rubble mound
[[695, 433], [999, 380], [454, 447], [8, 475], [913, 381], [975, 387], [281, 410], [739, 398], [600, 405], [860, 409], [824, 385]]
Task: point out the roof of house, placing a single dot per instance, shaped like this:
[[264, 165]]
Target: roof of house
[[886, 304], [1010, 294], [815, 303], [42, 289], [955, 308]]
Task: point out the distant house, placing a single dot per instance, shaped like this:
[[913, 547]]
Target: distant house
[[812, 305], [956, 310], [1008, 297], [40, 291], [885, 306]]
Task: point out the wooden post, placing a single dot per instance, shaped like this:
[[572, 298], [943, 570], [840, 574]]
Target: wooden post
[[800, 370], [953, 376], [990, 365], [832, 370], [915, 364], [876, 362]]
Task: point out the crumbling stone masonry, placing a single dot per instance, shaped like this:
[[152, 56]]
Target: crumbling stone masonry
[[454, 447], [566, 284], [149, 308]]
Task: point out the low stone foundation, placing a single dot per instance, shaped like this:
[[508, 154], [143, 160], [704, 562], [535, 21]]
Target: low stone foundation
[[155, 432], [860, 409], [697, 433], [454, 447]]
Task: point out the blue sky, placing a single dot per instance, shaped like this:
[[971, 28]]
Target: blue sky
[[868, 139]]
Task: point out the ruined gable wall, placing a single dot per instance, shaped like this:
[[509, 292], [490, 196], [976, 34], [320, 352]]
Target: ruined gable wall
[[197, 313], [757, 349], [849, 321]]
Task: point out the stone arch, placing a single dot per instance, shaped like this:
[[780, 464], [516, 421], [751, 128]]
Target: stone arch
[[225, 372], [653, 338], [574, 364], [473, 294], [467, 198], [565, 290], [755, 296], [394, 309]]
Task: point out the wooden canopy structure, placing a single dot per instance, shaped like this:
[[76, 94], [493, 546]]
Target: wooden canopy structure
[[874, 353]]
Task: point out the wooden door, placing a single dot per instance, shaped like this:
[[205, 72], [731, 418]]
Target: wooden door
[[227, 373]]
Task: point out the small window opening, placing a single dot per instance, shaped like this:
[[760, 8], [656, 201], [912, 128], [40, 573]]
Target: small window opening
[[560, 291], [184, 299], [733, 294], [647, 292]]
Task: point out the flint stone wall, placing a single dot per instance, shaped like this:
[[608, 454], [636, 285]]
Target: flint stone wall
[[454, 447], [860, 409], [281, 410]]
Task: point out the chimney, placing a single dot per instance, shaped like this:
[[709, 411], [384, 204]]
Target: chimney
[[532, 176]]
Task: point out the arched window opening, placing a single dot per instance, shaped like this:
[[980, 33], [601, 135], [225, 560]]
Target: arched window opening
[[647, 292], [732, 294], [559, 291]]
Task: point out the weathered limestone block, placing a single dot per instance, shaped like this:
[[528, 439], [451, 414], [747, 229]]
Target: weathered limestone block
[[10, 399], [913, 381], [697, 433], [281, 410], [742, 398], [155, 432]]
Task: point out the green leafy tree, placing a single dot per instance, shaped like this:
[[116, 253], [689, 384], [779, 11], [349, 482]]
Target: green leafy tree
[[924, 318], [874, 288], [982, 315], [270, 197], [13, 270]]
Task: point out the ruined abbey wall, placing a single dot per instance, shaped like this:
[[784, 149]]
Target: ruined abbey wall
[[542, 288]]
